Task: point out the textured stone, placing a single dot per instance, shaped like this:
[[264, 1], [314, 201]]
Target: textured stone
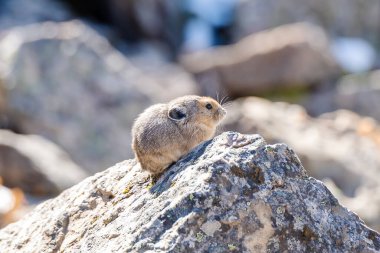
[[65, 82], [234, 193], [289, 56], [22, 12], [360, 18], [153, 61], [159, 19], [136, 20], [36, 165], [342, 148], [358, 92]]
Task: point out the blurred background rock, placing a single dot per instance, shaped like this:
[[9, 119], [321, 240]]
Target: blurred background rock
[[75, 74]]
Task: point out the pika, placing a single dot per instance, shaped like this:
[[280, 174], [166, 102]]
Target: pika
[[163, 133]]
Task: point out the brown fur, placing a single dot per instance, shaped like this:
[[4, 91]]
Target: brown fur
[[159, 139]]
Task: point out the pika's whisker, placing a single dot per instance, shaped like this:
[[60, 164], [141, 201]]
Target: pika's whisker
[[224, 100], [228, 103]]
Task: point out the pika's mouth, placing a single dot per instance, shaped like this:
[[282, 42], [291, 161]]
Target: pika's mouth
[[223, 111], [220, 114]]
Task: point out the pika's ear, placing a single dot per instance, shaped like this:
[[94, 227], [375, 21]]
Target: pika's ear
[[177, 113]]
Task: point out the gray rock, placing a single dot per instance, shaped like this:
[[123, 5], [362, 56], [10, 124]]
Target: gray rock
[[36, 165], [342, 148], [360, 18], [231, 194], [22, 12], [66, 83], [158, 20], [357, 92], [154, 19], [153, 61], [290, 56]]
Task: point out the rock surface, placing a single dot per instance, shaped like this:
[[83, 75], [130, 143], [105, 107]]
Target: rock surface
[[36, 165], [231, 194], [22, 12], [358, 92], [290, 56], [342, 148], [136, 20], [153, 61], [65, 82], [360, 18]]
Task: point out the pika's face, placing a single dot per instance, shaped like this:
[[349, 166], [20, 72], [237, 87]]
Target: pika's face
[[210, 109], [203, 110]]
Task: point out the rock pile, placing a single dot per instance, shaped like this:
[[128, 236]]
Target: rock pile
[[290, 56], [359, 93], [359, 18], [35, 165], [22, 12], [232, 194], [65, 82]]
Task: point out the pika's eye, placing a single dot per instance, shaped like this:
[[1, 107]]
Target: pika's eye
[[208, 106]]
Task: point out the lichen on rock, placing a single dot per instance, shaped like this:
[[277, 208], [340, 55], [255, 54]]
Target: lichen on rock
[[232, 193]]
